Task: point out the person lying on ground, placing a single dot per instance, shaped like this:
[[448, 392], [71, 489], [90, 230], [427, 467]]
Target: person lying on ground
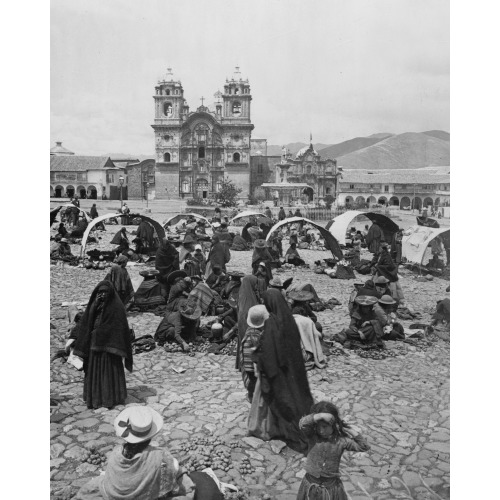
[[180, 325]]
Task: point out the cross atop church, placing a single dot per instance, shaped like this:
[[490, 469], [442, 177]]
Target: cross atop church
[[202, 99]]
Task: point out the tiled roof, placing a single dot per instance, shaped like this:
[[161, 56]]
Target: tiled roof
[[429, 175], [79, 163], [59, 149]]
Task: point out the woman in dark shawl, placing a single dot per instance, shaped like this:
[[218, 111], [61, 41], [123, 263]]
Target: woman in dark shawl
[[248, 297], [145, 237], [120, 239], [80, 228], [374, 237], [261, 254], [292, 256], [93, 211], [120, 279], [167, 261], [397, 246], [282, 377], [386, 267], [62, 230], [219, 255], [104, 338], [239, 244]]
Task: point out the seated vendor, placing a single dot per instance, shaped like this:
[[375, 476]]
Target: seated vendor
[[217, 279], [364, 327], [382, 286], [384, 311], [180, 285], [300, 305], [121, 239], [232, 287], [368, 289], [180, 325], [61, 250], [239, 244], [292, 256]]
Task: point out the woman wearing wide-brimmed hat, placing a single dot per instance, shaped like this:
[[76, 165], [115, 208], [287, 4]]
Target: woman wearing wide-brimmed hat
[[364, 328], [384, 311], [137, 469]]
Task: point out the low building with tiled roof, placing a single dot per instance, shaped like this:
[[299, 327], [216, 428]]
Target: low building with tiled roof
[[95, 177], [395, 187]]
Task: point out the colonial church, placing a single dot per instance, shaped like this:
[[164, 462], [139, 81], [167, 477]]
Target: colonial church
[[196, 150]]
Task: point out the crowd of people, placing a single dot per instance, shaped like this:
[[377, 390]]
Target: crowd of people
[[278, 335]]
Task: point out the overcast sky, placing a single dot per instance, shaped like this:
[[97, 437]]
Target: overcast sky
[[338, 69]]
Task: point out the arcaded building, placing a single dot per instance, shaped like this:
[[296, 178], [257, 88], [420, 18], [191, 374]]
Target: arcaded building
[[196, 150]]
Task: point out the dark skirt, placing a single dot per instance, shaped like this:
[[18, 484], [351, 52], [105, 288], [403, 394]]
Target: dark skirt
[[104, 382], [313, 488]]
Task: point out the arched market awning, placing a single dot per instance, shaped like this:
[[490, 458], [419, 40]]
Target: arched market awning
[[416, 239], [172, 221], [158, 227], [247, 213], [330, 241], [339, 225]]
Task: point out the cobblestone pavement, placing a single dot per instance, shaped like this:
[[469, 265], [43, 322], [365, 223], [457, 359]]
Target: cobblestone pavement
[[400, 403]]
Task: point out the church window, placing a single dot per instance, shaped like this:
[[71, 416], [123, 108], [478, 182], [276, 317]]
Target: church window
[[167, 92], [167, 109], [185, 186], [236, 157], [218, 186], [309, 169], [386, 189], [236, 90], [259, 169], [166, 157], [351, 186], [201, 152], [166, 137], [237, 108], [328, 190]]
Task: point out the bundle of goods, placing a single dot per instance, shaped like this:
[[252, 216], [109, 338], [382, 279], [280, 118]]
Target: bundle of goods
[[344, 271], [106, 255]]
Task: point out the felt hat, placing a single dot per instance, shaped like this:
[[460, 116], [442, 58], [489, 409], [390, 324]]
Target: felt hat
[[381, 280], [276, 282], [387, 300], [216, 224], [301, 295], [263, 264], [366, 300], [260, 243], [198, 247], [384, 244], [236, 274], [189, 239], [174, 275], [149, 273], [257, 316], [63, 240], [136, 424], [190, 310]]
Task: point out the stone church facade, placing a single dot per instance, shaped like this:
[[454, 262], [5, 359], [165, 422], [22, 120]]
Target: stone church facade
[[196, 150]]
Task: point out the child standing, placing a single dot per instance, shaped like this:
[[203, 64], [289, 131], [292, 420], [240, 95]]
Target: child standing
[[329, 436]]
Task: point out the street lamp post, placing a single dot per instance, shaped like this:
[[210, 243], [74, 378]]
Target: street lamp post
[[121, 179], [371, 194], [147, 197]]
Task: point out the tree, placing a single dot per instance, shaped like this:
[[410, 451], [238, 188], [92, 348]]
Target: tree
[[329, 199], [228, 193], [259, 194]]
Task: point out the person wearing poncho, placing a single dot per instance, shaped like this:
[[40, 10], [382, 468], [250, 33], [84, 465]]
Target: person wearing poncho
[[386, 267], [281, 214], [282, 395], [167, 261], [145, 237], [120, 239], [104, 338], [374, 237], [261, 254], [239, 244], [120, 279], [219, 255]]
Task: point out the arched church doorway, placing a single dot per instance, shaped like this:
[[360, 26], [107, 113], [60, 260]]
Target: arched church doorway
[[202, 188]]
